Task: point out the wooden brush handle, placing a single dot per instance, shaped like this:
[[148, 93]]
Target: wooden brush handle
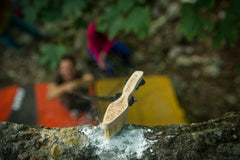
[[118, 107], [132, 84]]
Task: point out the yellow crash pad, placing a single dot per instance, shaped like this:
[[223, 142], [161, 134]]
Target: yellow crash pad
[[156, 101]]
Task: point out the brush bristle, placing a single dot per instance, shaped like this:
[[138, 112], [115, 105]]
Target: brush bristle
[[111, 131]]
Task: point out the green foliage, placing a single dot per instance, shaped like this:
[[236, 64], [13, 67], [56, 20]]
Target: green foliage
[[50, 55], [196, 21], [238, 67], [191, 24], [72, 8], [129, 16], [40, 11], [126, 16], [225, 33]]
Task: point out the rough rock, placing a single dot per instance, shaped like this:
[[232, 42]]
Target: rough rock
[[173, 11], [157, 24], [177, 51], [216, 139], [184, 61], [212, 70]]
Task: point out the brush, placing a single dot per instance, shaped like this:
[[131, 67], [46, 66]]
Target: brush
[[116, 113]]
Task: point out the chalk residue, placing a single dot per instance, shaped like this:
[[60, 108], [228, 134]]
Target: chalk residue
[[121, 146]]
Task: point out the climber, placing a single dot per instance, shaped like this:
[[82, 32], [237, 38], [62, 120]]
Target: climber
[[100, 45], [68, 84]]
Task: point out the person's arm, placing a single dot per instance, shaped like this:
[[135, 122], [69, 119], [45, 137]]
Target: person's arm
[[101, 61], [106, 49], [55, 91], [85, 82]]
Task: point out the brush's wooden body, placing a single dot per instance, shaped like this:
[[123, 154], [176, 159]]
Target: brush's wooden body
[[116, 113]]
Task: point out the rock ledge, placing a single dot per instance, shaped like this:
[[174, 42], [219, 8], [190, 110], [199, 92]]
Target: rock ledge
[[216, 139]]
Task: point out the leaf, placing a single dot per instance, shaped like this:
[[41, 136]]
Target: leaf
[[80, 23], [102, 26], [50, 15], [116, 27], [30, 14], [125, 5], [25, 3], [226, 30], [200, 4], [107, 19], [138, 21], [202, 37], [50, 55], [113, 21], [73, 7], [233, 9], [141, 1], [238, 67], [186, 9], [207, 24], [217, 41], [40, 4], [189, 26]]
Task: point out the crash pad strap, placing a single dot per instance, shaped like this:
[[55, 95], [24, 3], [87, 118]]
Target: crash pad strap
[[26, 114]]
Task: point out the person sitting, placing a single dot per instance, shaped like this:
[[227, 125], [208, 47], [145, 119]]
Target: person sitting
[[69, 84], [100, 45]]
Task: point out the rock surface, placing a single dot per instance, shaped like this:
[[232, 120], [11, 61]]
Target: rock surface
[[216, 139]]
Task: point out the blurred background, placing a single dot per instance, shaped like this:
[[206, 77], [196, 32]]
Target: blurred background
[[194, 42]]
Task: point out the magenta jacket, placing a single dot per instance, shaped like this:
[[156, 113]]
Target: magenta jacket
[[98, 42]]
